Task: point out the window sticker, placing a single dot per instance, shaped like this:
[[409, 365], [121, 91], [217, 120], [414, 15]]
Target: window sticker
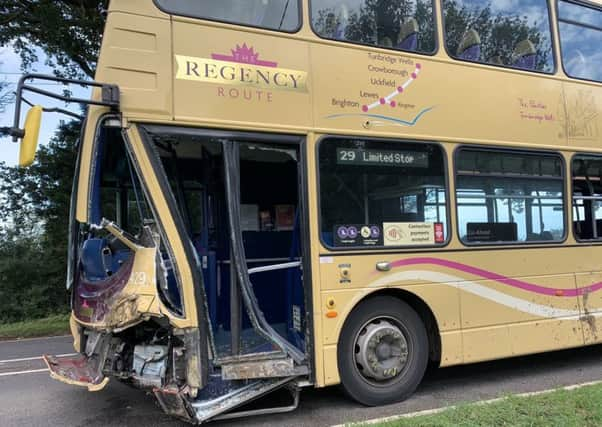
[[439, 233], [358, 235], [408, 233]]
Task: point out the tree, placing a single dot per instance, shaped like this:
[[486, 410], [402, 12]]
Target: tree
[[34, 202], [33, 241], [377, 19], [500, 33], [69, 32], [6, 96], [374, 20]]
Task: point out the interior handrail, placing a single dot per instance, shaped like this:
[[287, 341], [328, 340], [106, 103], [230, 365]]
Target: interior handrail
[[274, 267]]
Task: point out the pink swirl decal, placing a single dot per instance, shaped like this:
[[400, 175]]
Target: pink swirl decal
[[498, 277]]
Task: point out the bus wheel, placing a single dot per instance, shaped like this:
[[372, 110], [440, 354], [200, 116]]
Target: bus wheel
[[383, 351]]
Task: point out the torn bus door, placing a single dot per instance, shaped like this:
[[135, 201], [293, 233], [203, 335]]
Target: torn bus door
[[106, 304], [131, 327], [160, 348]]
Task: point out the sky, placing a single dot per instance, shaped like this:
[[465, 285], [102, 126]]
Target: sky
[[10, 71]]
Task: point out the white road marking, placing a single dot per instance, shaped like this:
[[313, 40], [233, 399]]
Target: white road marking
[[32, 371], [477, 403], [27, 359]]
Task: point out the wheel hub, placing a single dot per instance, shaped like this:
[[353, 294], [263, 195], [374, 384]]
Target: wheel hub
[[381, 350]]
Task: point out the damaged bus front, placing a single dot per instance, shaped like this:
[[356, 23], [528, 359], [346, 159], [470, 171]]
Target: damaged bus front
[[161, 261]]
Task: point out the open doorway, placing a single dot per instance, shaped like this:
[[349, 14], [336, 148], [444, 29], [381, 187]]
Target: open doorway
[[255, 204]]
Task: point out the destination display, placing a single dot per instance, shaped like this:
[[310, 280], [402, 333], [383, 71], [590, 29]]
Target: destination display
[[369, 157]]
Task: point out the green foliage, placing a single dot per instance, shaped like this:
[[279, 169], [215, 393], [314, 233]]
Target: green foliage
[[5, 95], [48, 326], [34, 202], [69, 32], [576, 408], [34, 206]]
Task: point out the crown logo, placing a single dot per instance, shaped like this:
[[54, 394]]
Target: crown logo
[[244, 55]]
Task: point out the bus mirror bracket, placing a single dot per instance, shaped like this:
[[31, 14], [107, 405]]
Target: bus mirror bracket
[[110, 97]]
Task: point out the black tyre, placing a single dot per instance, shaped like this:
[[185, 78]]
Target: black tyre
[[383, 351]]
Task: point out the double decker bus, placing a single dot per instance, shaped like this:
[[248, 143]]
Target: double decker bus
[[277, 194]]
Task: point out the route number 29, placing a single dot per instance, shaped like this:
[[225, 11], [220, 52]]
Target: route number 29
[[347, 156]]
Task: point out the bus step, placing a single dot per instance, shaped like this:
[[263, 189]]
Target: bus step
[[294, 393], [269, 368], [220, 407]]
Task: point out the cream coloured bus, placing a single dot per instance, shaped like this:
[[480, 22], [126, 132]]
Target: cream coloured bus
[[275, 194]]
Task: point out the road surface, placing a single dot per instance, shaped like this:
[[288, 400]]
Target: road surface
[[28, 397]]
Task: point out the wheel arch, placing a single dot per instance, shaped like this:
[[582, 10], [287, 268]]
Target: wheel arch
[[422, 309]]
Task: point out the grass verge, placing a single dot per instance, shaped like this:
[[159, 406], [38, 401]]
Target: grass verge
[[53, 325], [579, 407]]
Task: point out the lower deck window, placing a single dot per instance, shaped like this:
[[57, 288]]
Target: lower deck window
[[382, 193], [505, 197], [587, 197]]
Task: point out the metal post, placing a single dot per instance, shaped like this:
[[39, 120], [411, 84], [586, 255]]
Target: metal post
[[235, 310]]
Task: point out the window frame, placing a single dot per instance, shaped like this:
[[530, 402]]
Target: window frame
[[376, 249], [512, 150], [93, 162], [555, 60], [436, 33], [221, 21], [591, 27], [572, 188]]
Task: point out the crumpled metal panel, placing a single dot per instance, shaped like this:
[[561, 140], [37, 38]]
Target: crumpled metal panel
[[79, 370], [260, 369]]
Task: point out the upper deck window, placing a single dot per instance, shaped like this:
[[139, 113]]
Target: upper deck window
[[394, 24], [279, 15], [580, 38], [512, 34]]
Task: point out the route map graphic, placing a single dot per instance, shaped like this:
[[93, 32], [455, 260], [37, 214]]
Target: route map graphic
[[390, 101], [389, 98]]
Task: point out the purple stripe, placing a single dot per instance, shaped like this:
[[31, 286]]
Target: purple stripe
[[499, 278]]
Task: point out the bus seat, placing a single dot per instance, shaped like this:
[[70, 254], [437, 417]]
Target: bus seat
[[525, 55], [470, 46], [408, 35], [584, 229], [98, 261], [547, 235], [533, 237], [95, 259], [341, 20]]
